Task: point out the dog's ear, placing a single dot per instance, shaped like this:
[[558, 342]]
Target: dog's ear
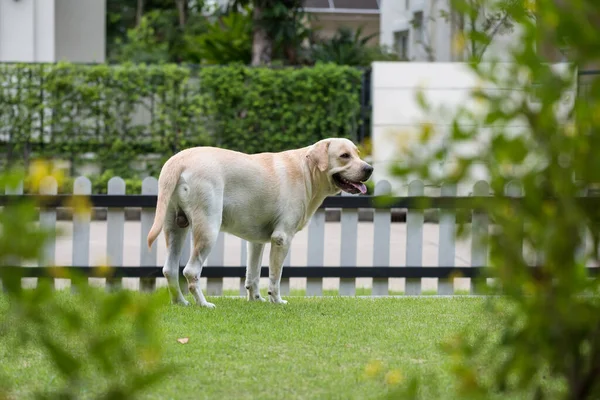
[[319, 155]]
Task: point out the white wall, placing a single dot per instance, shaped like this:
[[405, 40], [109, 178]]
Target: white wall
[[397, 116], [52, 30], [439, 31], [81, 30]]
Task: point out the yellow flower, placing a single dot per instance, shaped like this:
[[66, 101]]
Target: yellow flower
[[373, 368], [530, 6], [39, 171], [570, 129], [394, 377], [426, 131], [80, 205], [550, 18], [104, 269], [458, 43]]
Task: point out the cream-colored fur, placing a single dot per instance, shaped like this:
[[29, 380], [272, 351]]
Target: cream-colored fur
[[262, 198]]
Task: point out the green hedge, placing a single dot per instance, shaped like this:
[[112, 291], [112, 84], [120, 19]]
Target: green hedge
[[121, 112]]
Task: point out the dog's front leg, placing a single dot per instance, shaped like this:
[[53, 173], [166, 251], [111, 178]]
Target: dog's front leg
[[280, 244]]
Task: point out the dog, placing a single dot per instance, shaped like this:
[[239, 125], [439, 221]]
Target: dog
[[262, 198]]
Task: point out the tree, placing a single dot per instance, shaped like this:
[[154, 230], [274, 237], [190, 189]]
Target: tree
[[477, 24], [549, 347], [348, 47], [278, 29]]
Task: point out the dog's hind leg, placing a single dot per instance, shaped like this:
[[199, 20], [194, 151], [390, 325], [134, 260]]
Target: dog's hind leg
[[205, 231], [175, 237], [253, 264]]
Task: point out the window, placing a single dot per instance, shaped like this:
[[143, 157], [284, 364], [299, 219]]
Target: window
[[401, 44], [417, 24]]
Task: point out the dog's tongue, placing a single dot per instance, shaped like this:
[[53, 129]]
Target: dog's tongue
[[360, 186]]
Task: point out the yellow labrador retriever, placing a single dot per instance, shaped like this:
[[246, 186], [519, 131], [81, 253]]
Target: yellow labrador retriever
[[266, 197]]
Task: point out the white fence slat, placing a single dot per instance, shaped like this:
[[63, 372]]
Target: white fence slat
[[447, 245], [348, 247], [316, 251], [243, 253], [216, 258], [147, 256], [479, 233], [15, 191], [115, 231], [81, 225], [48, 186], [382, 225], [414, 239]]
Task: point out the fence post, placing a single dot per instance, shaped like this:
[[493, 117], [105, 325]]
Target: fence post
[[16, 190], [147, 256], [316, 251], [81, 227], [382, 225], [414, 239], [115, 232], [479, 233], [447, 247], [216, 258], [48, 186], [348, 248]]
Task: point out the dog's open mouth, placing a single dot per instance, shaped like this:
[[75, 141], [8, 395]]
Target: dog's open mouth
[[349, 186]]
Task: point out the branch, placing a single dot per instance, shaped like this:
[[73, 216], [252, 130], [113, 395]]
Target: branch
[[139, 12], [492, 34]]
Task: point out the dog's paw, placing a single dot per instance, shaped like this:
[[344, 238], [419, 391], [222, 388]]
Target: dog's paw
[[277, 300], [181, 302], [208, 305], [256, 297]]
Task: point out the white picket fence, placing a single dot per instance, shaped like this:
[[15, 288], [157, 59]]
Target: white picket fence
[[383, 242]]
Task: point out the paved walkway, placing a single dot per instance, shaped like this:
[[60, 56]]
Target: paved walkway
[[232, 255]]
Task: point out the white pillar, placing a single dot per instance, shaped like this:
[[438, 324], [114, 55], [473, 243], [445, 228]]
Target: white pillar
[[52, 30]]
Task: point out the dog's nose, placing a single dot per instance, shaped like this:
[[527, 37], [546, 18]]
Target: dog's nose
[[368, 171]]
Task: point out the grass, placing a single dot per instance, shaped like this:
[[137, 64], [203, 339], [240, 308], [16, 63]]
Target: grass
[[359, 292], [311, 348]]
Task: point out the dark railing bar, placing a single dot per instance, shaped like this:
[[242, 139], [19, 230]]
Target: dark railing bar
[[240, 272], [381, 202]]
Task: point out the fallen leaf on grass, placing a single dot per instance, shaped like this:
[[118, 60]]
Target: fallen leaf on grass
[[183, 340]]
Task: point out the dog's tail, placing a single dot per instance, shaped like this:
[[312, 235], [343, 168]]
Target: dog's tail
[[167, 181]]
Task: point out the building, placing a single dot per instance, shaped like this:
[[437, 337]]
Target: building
[[330, 15], [52, 30], [421, 30]]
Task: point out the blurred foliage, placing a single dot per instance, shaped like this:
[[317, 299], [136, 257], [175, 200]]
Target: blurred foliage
[[539, 135], [228, 39], [154, 31], [348, 47], [102, 346], [120, 113]]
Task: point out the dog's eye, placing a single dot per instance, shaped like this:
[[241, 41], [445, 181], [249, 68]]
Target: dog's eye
[[345, 155]]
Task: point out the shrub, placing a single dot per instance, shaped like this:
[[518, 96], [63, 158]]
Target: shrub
[[121, 112], [549, 347]]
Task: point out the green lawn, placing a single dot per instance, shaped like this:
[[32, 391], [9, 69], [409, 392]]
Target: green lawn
[[311, 348]]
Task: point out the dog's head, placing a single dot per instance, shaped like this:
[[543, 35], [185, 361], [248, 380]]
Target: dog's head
[[339, 161]]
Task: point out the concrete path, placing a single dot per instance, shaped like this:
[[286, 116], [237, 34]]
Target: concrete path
[[232, 256]]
